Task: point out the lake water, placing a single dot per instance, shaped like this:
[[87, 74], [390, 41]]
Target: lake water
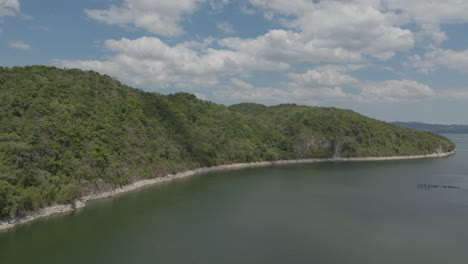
[[413, 211]]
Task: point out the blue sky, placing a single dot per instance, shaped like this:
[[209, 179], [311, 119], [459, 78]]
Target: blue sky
[[388, 59]]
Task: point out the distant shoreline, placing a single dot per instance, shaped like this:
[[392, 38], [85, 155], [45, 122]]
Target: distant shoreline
[[80, 203]]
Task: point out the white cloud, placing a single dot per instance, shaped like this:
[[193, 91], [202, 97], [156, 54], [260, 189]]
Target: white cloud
[[315, 95], [329, 76], [327, 83], [345, 32], [332, 28], [9, 7], [312, 87], [391, 91], [420, 11], [441, 58], [237, 90], [240, 91], [316, 32], [225, 27], [394, 91], [354, 26], [150, 62], [433, 32], [374, 27], [288, 48], [357, 28], [430, 15], [161, 17], [19, 45], [432, 12]]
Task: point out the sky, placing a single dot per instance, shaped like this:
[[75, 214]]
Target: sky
[[388, 59]]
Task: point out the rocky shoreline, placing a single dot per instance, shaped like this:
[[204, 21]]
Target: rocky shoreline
[[58, 209]]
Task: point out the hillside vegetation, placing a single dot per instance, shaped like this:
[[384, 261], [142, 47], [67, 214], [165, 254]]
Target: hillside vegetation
[[67, 133]]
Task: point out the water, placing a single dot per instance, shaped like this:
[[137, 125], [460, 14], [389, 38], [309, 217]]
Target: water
[[363, 212]]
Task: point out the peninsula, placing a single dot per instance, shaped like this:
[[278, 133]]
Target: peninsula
[[68, 135]]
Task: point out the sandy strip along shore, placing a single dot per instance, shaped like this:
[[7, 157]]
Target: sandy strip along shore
[[57, 209]]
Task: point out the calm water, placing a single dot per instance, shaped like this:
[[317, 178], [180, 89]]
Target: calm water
[[366, 212]]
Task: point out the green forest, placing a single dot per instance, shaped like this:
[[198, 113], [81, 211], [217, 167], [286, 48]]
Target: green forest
[[65, 133]]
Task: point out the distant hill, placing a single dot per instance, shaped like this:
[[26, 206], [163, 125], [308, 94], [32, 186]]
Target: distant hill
[[435, 128], [68, 133]]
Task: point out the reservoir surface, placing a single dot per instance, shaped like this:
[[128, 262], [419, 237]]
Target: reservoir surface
[[409, 211]]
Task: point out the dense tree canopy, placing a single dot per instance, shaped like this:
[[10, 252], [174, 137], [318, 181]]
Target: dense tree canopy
[[66, 133]]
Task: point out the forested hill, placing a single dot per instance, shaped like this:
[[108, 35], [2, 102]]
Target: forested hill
[[66, 133], [435, 128]]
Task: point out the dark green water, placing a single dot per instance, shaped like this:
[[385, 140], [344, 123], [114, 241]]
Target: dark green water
[[365, 212]]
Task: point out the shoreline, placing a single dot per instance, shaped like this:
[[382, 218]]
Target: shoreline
[[81, 202]]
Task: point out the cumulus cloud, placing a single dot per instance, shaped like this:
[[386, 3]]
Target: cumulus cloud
[[316, 31], [333, 28], [440, 58], [19, 45], [312, 93], [431, 12], [430, 15], [9, 7], [347, 34], [420, 11], [329, 76], [150, 62], [354, 26], [327, 83], [288, 48], [357, 28], [161, 17], [394, 91], [336, 77], [375, 24], [241, 91], [195, 66]]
